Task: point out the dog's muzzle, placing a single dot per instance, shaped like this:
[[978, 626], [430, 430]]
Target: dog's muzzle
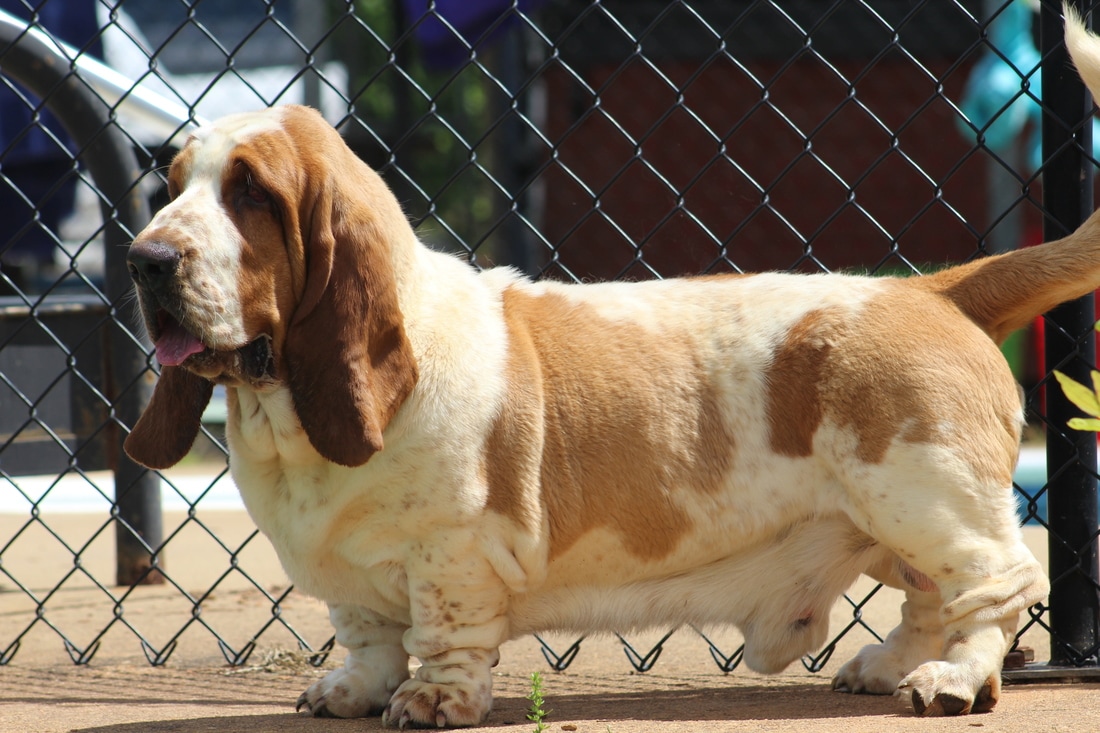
[[154, 268]]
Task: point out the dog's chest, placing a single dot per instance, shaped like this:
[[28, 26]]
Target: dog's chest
[[332, 527], [333, 540]]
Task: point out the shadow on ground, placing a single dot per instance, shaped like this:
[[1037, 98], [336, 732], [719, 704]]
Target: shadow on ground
[[789, 702]]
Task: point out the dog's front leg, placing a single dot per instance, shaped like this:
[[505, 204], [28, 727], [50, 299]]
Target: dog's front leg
[[376, 664], [459, 618]]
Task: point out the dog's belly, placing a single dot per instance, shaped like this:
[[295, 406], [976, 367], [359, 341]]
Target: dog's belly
[[778, 593]]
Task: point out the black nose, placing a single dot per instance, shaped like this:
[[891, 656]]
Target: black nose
[[152, 264]]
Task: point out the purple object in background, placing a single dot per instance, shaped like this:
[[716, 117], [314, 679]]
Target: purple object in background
[[451, 27]]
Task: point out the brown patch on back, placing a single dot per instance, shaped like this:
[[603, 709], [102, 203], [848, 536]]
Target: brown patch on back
[[795, 408], [513, 449], [877, 384], [909, 366], [922, 370], [627, 423]]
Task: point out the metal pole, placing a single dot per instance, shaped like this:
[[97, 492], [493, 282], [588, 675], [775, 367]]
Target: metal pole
[[309, 30], [107, 153], [513, 154], [158, 114], [1070, 347]]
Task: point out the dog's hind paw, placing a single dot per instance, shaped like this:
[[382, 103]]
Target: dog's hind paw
[[939, 689]]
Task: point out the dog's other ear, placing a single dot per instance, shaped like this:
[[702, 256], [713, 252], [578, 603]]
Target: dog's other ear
[[166, 430], [349, 363]]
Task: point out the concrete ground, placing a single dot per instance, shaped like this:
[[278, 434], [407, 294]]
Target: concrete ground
[[42, 691]]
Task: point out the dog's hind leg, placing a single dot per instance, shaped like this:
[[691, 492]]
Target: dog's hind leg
[[980, 610], [956, 531], [878, 669]]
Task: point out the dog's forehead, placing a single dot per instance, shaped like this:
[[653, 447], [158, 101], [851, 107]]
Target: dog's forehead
[[210, 147]]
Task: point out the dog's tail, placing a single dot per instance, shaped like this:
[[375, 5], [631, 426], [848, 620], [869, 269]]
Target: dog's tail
[[1005, 292], [1084, 49]]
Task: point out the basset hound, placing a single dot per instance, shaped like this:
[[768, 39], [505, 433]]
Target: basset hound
[[451, 458]]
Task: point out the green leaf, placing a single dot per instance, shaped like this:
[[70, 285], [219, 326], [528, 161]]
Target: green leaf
[[1079, 394], [1084, 423]]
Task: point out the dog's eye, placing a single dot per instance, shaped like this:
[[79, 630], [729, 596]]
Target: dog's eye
[[253, 193], [256, 194]]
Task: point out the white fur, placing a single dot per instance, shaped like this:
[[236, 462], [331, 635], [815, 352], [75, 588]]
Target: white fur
[[412, 562]]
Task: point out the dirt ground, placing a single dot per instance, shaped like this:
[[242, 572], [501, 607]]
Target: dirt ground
[[42, 691]]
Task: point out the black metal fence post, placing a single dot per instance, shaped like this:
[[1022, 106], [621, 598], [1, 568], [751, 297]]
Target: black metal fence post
[[108, 154], [1071, 348]]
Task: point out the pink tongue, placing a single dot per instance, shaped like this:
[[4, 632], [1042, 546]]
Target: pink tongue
[[176, 344]]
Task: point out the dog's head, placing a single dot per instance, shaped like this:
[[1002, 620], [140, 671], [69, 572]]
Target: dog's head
[[273, 266]]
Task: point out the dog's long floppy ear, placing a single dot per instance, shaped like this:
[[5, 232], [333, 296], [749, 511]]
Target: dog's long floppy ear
[[166, 430], [349, 363]]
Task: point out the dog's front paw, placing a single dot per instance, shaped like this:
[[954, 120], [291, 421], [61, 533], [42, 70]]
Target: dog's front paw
[[361, 687], [875, 670], [419, 704], [942, 688], [453, 696], [344, 693]]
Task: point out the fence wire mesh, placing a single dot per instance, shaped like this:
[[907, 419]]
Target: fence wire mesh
[[573, 139]]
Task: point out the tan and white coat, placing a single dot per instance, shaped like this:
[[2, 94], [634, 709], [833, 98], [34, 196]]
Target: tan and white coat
[[451, 459]]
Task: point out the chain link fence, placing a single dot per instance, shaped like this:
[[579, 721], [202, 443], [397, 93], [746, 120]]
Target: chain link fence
[[573, 139]]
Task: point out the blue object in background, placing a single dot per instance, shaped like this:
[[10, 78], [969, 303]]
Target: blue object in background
[[1001, 92], [38, 168]]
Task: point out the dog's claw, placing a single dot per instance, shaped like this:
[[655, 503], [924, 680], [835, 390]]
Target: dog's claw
[[405, 721], [941, 705], [985, 700], [317, 709], [919, 706]]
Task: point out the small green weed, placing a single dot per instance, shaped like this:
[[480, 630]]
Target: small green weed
[[537, 712]]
